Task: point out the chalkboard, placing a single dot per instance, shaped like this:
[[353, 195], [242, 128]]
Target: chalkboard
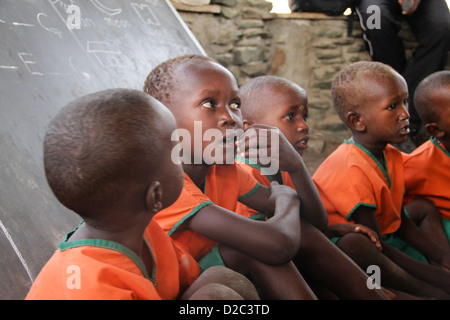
[[51, 52]]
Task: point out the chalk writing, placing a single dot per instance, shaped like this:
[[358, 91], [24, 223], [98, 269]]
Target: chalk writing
[[145, 13]]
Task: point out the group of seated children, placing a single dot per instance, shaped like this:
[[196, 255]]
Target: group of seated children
[[205, 227]]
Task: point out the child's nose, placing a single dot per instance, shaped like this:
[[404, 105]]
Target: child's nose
[[227, 119], [405, 113], [302, 126]]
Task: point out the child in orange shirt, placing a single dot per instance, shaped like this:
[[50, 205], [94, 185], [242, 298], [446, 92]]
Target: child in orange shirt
[[427, 169], [362, 181], [107, 157], [197, 88]]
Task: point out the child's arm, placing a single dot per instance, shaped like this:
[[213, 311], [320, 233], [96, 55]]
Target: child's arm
[[289, 160], [273, 241]]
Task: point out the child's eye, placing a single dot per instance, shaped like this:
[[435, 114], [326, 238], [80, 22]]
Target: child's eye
[[208, 104], [392, 107], [305, 118], [289, 116], [235, 105], [406, 102]]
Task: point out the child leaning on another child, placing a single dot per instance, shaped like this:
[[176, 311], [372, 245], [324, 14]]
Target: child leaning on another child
[[107, 158]]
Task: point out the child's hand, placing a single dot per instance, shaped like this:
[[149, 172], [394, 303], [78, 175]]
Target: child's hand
[[266, 145], [343, 229], [281, 193]]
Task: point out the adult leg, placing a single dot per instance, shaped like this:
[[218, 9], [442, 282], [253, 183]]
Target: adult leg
[[382, 40], [430, 23]]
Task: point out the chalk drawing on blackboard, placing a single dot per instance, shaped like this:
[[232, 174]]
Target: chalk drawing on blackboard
[[145, 13], [108, 55], [105, 9], [16, 250], [29, 64], [40, 17]]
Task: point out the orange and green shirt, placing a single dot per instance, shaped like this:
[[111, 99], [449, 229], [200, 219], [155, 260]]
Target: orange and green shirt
[[257, 172], [352, 177], [224, 187], [96, 269], [427, 175]]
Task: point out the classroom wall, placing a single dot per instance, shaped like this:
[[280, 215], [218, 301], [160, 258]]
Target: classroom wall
[[306, 48]]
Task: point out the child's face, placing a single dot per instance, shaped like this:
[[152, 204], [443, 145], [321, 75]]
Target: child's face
[[441, 102], [208, 96], [385, 112], [287, 109]]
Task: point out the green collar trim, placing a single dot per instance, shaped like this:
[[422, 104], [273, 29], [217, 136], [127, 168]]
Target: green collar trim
[[111, 245], [440, 146]]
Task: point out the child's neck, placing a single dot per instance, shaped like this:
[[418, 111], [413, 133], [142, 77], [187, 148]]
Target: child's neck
[[130, 237], [197, 173], [376, 148]]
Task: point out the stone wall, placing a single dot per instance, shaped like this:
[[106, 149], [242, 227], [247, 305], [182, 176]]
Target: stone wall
[[306, 48]]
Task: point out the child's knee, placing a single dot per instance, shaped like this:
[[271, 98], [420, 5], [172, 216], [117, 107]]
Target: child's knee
[[231, 279], [215, 291], [355, 244], [418, 209]]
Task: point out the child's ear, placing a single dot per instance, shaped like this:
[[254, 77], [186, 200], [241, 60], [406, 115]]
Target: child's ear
[[433, 130], [247, 124], [154, 197], [355, 121]]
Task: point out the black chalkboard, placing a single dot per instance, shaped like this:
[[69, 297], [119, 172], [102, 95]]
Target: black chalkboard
[[51, 52]]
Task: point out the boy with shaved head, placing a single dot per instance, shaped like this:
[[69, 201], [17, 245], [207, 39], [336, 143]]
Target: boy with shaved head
[[362, 181], [427, 169], [107, 158]]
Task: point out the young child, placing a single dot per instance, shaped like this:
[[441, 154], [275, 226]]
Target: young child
[[258, 96], [427, 169], [203, 219], [362, 181], [107, 158]]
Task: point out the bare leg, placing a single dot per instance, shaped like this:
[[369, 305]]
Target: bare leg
[[364, 253], [427, 217], [327, 265], [275, 282]]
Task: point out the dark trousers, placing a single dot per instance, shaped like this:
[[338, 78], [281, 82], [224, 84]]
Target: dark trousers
[[430, 24]]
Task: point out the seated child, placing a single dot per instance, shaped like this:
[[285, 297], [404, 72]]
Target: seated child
[[203, 97], [107, 158], [362, 181], [199, 90], [427, 169], [258, 96]]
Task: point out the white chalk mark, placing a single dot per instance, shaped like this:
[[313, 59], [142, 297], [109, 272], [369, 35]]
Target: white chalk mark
[[13, 245], [23, 24], [2, 21], [9, 67]]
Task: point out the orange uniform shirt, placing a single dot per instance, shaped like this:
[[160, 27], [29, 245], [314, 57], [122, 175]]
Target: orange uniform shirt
[[95, 269], [225, 186], [427, 175], [352, 177], [256, 171]]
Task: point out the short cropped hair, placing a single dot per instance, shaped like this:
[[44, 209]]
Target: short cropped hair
[[90, 148], [161, 82], [346, 89], [423, 96], [254, 87]]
